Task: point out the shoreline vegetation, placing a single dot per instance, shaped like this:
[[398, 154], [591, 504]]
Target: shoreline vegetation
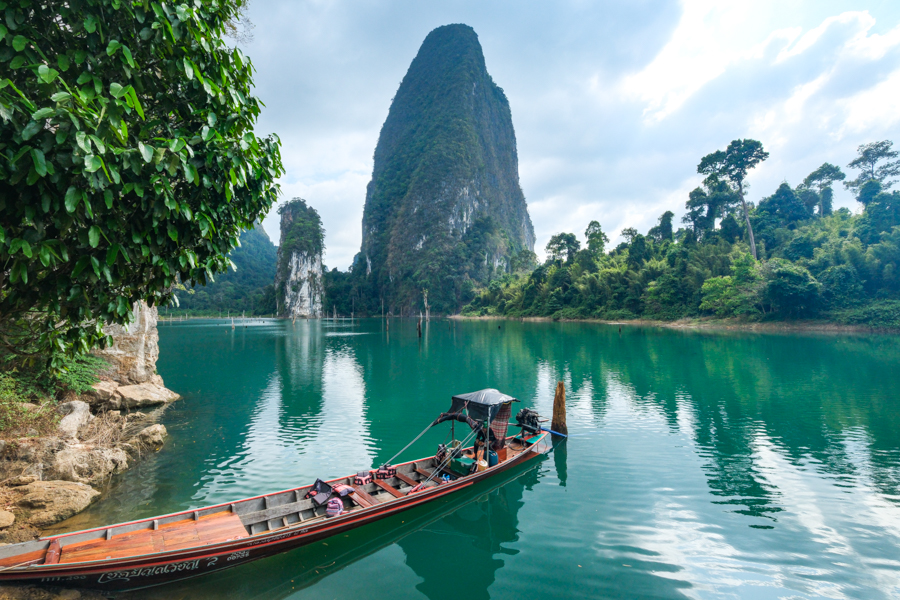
[[705, 323], [64, 434], [790, 258]]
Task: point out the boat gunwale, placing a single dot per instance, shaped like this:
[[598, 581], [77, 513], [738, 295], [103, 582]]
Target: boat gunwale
[[260, 539]]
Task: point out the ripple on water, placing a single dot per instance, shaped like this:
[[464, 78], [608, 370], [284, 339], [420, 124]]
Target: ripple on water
[[699, 465]]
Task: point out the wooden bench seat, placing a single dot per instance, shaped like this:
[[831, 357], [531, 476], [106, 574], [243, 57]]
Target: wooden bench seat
[[208, 529]]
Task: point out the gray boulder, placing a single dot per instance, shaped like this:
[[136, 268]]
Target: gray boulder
[[54, 501], [102, 392], [151, 437], [29, 592], [87, 464], [145, 394], [6, 519], [76, 414]]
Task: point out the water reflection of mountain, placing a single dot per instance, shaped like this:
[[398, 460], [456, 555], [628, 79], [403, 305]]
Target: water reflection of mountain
[[309, 422]]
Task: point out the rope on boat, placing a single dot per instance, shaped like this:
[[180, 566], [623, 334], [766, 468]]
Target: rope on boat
[[391, 459]]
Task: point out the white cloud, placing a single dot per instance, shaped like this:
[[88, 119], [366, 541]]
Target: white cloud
[[613, 103]]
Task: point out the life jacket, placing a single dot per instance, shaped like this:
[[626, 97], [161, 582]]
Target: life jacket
[[362, 478], [417, 488], [386, 472], [342, 490], [335, 507]]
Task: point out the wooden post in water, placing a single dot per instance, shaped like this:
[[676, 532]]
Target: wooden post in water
[[558, 423]]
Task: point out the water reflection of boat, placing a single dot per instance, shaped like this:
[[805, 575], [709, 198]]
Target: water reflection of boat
[[192, 543]]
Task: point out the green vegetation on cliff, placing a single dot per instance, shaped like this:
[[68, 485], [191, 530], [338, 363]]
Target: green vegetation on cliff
[[813, 262], [444, 208], [301, 230], [298, 276], [249, 288]]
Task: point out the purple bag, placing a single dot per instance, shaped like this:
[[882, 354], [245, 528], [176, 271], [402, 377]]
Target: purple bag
[[335, 507]]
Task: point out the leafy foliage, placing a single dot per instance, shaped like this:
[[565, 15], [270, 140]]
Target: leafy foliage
[[813, 262], [302, 229], [563, 246], [129, 161], [870, 155]]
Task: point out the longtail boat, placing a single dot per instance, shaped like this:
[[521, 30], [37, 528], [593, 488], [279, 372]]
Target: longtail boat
[[187, 544]]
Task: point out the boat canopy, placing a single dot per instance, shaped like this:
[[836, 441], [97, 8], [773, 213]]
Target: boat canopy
[[483, 404]]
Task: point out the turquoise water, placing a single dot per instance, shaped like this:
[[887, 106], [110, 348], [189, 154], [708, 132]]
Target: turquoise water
[[700, 464]]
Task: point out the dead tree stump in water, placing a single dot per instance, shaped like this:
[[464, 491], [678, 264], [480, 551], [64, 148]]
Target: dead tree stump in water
[[558, 423]]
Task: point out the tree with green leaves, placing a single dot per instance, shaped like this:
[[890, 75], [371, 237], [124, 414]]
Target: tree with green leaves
[[791, 288], [129, 162], [596, 239], [663, 230], [732, 165], [820, 182], [629, 233], [867, 163], [785, 205], [563, 246], [707, 203]]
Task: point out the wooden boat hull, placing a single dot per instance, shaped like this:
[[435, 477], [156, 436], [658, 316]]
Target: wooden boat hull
[[155, 568]]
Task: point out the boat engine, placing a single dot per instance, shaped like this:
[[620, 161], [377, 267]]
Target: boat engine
[[529, 420]]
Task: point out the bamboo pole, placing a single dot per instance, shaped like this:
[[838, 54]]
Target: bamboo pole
[[559, 410]]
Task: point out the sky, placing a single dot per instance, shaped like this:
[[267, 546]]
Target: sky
[[614, 103]]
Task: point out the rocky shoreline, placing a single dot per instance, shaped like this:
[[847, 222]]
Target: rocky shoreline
[[45, 479]]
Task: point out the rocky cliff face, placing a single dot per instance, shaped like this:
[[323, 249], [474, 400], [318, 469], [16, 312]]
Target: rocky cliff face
[[444, 206], [135, 347], [299, 283]]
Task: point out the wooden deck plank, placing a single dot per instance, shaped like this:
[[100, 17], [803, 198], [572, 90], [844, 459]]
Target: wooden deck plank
[[178, 535], [359, 500], [275, 512], [407, 479], [364, 496], [24, 558], [52, 553], [388, 488], [426, 474]]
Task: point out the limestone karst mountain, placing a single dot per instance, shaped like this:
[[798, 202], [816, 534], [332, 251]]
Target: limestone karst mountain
[[444, 208], [299, 287]]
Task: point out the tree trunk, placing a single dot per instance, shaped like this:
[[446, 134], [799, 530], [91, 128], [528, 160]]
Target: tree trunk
[[749, 227]]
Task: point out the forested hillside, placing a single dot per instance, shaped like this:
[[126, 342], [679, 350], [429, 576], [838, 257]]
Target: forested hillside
[[249, 289], [811, 261], [444, 208]]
